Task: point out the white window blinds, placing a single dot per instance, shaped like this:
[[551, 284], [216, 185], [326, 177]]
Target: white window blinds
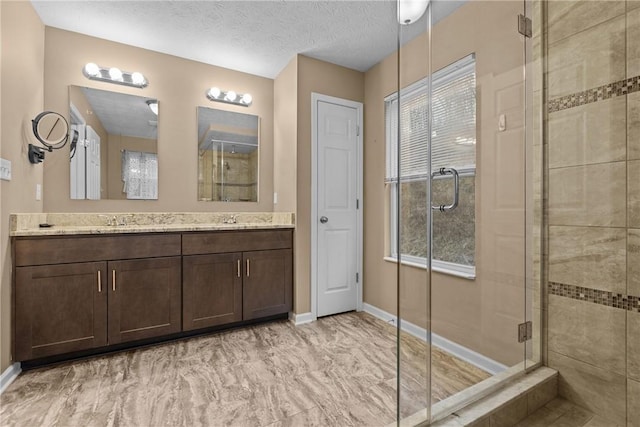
[[454, 123]]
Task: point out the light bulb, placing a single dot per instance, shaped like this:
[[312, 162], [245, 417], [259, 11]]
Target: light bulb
[[92, 69], [214, 92], [409, 11], [137, 78], [231, 96], [115, 74], [247, 98]]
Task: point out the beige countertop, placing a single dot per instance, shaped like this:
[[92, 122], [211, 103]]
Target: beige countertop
[[24, 225]]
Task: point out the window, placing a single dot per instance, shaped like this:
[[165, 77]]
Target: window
[[453, 145]]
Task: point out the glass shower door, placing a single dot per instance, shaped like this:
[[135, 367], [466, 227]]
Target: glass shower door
[[463, 219]]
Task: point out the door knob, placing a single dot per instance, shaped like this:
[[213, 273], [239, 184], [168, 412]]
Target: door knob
[[324, 219]]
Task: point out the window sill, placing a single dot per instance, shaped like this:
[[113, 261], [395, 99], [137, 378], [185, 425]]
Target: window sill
[[439, 267]]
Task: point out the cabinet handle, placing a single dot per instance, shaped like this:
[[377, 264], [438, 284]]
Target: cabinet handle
[[113, 282], [248, 267], [238, 268], [99, 281]]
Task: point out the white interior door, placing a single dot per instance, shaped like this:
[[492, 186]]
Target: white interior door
[[77, 168], [337, 215], [93, 164]]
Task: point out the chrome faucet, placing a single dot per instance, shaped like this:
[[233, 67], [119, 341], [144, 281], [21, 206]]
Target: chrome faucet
[[111, 219], [231, 220], [123, 220]]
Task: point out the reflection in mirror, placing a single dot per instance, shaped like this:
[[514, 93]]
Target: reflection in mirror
[[227, 156], [116, 156]]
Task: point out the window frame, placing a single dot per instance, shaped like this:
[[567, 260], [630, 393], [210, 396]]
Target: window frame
[[460, 270]]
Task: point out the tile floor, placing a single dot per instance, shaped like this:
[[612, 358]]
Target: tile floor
[[338, 371], [562, 413]]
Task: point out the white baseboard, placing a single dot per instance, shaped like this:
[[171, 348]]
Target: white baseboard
[[9, 375], [479, 360], [302, 318]]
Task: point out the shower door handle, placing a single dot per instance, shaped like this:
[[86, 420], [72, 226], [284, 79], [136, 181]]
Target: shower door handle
[[456, 188]]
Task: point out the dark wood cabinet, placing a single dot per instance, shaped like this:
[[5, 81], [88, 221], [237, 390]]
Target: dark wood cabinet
[[59, 309], [211, 290], [77, 293], [244, 275], [267, 286], [145, 298]]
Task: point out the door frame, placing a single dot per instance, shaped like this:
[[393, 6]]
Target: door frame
[[315, 98]]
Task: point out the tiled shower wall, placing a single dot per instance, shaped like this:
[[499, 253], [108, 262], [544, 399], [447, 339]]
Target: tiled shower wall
[[593, 136]]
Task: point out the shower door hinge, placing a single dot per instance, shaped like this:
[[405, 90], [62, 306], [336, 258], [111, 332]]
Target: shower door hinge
[[525, 331], [525, 26]]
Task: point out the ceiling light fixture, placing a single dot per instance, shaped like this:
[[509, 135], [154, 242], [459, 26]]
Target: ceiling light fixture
[[153, 105], [114, 75], [409, 11], [229, 97]]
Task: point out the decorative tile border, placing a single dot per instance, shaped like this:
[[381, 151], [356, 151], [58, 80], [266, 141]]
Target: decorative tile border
[[596, 296], [600, 93]]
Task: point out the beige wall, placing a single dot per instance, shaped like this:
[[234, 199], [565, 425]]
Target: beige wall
[[285, 136], [594, 207], [327, 79], [22, 99], [481, 314], [180, 87]]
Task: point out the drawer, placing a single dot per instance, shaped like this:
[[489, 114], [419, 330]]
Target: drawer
[[235, 241], [61, 250]]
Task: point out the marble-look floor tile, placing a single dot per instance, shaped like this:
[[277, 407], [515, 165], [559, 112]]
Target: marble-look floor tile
[[340, 370]]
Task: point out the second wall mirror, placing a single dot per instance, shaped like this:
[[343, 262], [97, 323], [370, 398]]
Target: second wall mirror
[[228, 156]]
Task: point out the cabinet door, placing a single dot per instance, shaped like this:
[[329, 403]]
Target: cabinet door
[[144, 298], [211, 290], [267, 286], [60, 309]]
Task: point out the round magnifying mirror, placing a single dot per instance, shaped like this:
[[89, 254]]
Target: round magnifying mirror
[[51, 129]]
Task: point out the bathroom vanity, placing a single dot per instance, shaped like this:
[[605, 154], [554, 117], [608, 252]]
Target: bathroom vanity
[[96, 287]]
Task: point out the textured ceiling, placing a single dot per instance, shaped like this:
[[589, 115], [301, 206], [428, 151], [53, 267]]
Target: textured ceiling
[[122, 114], [227, 130], [256, 37]]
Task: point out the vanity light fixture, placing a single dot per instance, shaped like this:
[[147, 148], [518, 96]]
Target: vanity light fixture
[[153, 106], [114, 75], [229, 97]]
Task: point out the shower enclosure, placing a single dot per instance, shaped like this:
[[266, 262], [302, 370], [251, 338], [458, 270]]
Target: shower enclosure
[[461, 219]]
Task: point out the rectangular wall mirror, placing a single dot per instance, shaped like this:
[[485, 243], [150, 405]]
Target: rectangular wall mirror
[[116, 156], [228, 156]]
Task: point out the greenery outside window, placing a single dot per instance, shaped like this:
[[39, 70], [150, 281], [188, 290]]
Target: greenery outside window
[[453, 141]]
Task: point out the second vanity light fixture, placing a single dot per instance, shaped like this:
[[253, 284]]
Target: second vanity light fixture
[[114, 75], [230, 97]]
